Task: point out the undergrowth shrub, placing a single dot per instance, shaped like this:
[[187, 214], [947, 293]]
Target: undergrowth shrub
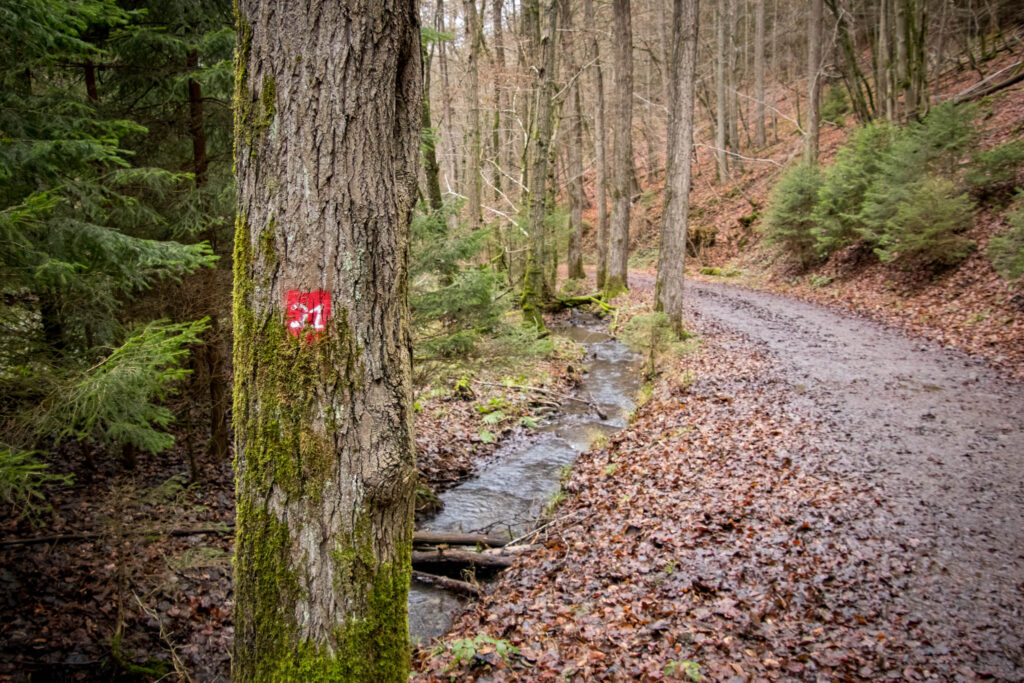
[[994, 172], [835, 106], [452, 300], [858, 164], [790, 218], [926, 223], [1006, 250]]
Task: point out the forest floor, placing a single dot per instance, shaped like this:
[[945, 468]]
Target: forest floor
[[129, 590], [810, 495]]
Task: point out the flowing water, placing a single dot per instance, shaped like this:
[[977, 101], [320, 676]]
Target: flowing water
[[510, 490]]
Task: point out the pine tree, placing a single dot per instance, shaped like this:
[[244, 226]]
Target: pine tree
[[82, 229]]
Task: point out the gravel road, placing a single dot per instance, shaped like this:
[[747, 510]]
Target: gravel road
[[935, 436]]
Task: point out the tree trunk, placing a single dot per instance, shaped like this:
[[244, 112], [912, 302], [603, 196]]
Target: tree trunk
[[574, 149], [473, 181], [600, 160], [721, 124], [760, 138], [499, 139], [535, 285], [327, 115], [616, 280], [672, 257], [813, 81], [732, 93], [431, 171], [214, 350]]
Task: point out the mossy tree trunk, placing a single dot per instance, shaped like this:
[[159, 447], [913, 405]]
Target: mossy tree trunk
[[600, 157], [574, 149], [682, 69], [536, 292], [327, 116], [622, 151], [431, 171]]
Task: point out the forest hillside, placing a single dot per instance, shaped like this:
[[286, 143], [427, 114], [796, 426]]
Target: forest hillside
[[511, 340]]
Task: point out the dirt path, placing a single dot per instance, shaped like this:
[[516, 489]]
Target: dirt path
[[939, 439]]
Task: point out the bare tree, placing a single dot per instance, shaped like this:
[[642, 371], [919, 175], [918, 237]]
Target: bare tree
[[813, 81], [536, 291], [327, 118], [622, 151], [573, 147], [721, 123], [473, 179], [672, 258], [600, 159], [759, 134]]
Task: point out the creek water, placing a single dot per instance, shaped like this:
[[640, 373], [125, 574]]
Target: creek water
[[510, 490]]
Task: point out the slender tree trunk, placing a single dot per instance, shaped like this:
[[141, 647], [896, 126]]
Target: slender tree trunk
[[721, 124], [431, 170], [574, 148], [672, 257], [616, 280], [447, 115], [775, 66], [733, 94], [901, 76], [214, 348], [535, 286], [499, 138], [813, 81], [760, 138], [473, 180], [325, 470], [91, 91], [600, 158]]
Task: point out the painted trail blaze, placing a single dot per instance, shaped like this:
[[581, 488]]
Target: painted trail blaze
[[307, 311]]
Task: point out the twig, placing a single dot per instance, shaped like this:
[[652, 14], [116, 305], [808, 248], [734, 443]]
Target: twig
[[547, 392], [541, 528]]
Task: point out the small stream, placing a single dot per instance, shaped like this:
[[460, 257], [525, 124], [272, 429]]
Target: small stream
[[510, 490]]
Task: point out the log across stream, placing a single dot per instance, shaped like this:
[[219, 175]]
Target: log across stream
[[508, 492]]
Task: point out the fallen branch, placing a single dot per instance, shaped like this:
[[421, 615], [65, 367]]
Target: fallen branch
[[972, 93], [576, 301], [452, 538], [444, 557], [547, 392], [453, 585]]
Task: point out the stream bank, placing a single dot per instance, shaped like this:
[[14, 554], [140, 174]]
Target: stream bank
[[508, 492]]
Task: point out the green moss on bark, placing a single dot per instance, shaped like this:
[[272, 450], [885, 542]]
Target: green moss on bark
[[613, 286], [252, 115]]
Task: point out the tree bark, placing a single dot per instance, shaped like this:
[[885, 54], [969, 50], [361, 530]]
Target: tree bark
[[760, 138], [721, 123], [672, 256], [535, 286], [616, 280], [813, 82], [473, 180], [600, 159], [327, 114], [431, 170], [213, 350], [574, 149]]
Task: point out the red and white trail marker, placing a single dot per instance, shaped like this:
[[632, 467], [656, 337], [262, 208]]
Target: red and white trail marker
[[307, 312]]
